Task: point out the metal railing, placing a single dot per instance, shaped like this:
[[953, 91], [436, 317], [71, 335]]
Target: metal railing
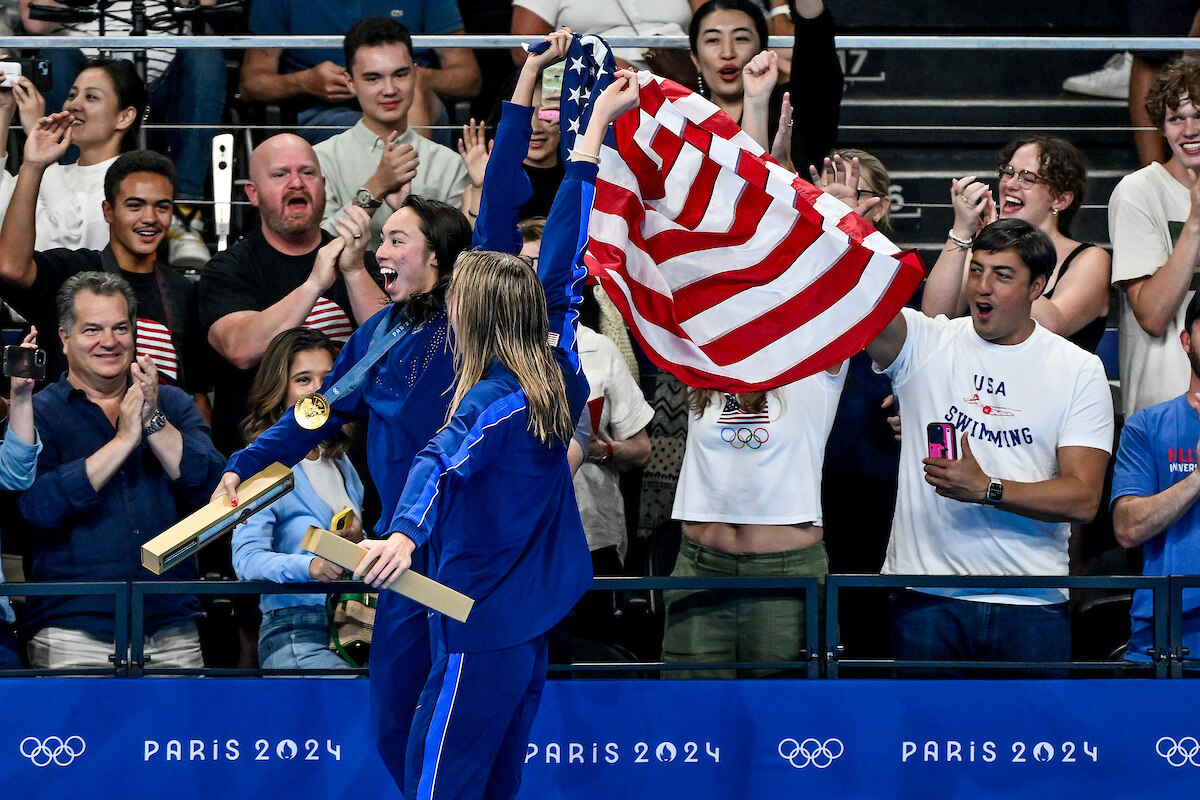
[[1170, 659]]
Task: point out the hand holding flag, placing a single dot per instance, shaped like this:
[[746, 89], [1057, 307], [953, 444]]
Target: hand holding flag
[[732, 272]]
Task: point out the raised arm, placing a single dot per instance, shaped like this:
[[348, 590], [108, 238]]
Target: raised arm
[[47, 143], [1155, 299], [816, 84], [560, 266], [506, 187], [759, 77], [944, 288]]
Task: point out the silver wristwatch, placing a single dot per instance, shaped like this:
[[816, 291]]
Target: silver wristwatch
[[995, 491], [157, 422], [364, 199]]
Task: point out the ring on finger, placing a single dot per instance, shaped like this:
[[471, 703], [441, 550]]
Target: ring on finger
[[358, 236]]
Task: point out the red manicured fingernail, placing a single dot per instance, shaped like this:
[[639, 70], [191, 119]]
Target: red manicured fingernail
[[233, 502]]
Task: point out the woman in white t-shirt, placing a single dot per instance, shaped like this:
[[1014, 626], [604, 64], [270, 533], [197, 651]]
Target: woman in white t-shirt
[[536, 18], [108, 101], [749, 498], [295, 627]]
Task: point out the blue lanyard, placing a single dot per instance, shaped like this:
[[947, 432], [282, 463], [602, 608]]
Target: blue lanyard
[[382, 340]]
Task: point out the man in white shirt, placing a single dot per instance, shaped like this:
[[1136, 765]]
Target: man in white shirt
[[1033, 421], [381, 160], [1154, 223]]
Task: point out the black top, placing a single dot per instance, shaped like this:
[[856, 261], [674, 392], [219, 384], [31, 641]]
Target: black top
[[1088, 337], [545, 181], [816, 91], [167, 314]]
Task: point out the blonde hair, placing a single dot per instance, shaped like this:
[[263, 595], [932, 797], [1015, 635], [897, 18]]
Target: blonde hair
[[875, 174], [499, 312]]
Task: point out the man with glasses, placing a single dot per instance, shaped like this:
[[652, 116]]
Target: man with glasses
[[1154, 223], [381, 160]]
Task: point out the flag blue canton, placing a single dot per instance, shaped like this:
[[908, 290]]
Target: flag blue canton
[[588, 70]]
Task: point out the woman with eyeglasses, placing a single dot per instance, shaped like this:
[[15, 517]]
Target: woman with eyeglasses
[[1043, 181]]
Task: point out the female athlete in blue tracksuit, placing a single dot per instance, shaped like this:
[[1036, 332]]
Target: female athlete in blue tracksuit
[[491, 497], [403, 395]]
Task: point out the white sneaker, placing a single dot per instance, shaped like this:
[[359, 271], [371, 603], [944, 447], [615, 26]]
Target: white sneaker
[[185, 245], [1110, 81]]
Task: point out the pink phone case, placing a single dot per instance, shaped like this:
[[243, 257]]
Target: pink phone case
[[942, 440]]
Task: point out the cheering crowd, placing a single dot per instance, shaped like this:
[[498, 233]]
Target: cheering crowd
[[393, 275]]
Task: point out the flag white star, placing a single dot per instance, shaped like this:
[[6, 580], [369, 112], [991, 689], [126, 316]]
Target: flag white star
[[573, 125], [573, 95], [577, 65], [587, 93]]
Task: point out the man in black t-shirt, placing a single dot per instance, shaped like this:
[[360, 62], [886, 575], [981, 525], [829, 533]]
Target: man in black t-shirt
[[139, 189], [287, 274]]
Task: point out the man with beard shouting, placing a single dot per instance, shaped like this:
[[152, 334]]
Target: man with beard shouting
[[289, 273]]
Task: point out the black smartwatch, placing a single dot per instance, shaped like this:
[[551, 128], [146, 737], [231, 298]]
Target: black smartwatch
[[364, 199], [995, 491]]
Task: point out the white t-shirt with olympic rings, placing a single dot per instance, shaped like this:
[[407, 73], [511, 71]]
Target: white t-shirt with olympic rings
[[748, 468]]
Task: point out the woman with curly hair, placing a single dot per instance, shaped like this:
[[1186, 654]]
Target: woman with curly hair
[[1043, 181]]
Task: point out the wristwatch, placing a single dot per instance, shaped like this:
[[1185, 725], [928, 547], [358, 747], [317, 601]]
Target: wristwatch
[[364, 199], [157, 422], [995, 491]]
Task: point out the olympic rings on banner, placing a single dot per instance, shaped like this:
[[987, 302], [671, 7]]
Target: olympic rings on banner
[[1185, 751], [811, 751], [53, 750]]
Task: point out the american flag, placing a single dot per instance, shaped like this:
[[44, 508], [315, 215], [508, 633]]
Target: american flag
[[154, 342], [733, 273], [733, 414], [329, 318]]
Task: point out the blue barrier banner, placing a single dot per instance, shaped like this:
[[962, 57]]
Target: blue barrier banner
[[309, 738]]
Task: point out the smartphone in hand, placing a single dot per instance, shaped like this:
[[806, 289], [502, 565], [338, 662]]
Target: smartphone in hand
[[24, 362], [943, 442]]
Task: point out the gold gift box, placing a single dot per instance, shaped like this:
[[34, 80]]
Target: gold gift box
[[183, 539]]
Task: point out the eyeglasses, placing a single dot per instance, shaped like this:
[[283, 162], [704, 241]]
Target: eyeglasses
[[549, 115], [865, 193], [1025, 179]]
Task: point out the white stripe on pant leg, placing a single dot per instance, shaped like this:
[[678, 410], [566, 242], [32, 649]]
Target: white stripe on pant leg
[[437, 732]]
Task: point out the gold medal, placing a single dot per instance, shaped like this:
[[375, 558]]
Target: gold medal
[[311, 411]]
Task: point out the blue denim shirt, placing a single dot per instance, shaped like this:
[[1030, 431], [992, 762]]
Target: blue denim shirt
[[84, 535]]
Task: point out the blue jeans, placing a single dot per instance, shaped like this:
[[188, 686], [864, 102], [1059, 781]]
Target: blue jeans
[[928, 627], [296, 638], [191, 92]]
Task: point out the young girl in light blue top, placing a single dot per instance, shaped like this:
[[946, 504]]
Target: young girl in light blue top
[[295, 627]]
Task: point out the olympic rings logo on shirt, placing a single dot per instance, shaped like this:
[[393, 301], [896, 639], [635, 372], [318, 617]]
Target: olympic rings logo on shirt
[[745, 437], [53, 750], [811, 751], [1178, 753]]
